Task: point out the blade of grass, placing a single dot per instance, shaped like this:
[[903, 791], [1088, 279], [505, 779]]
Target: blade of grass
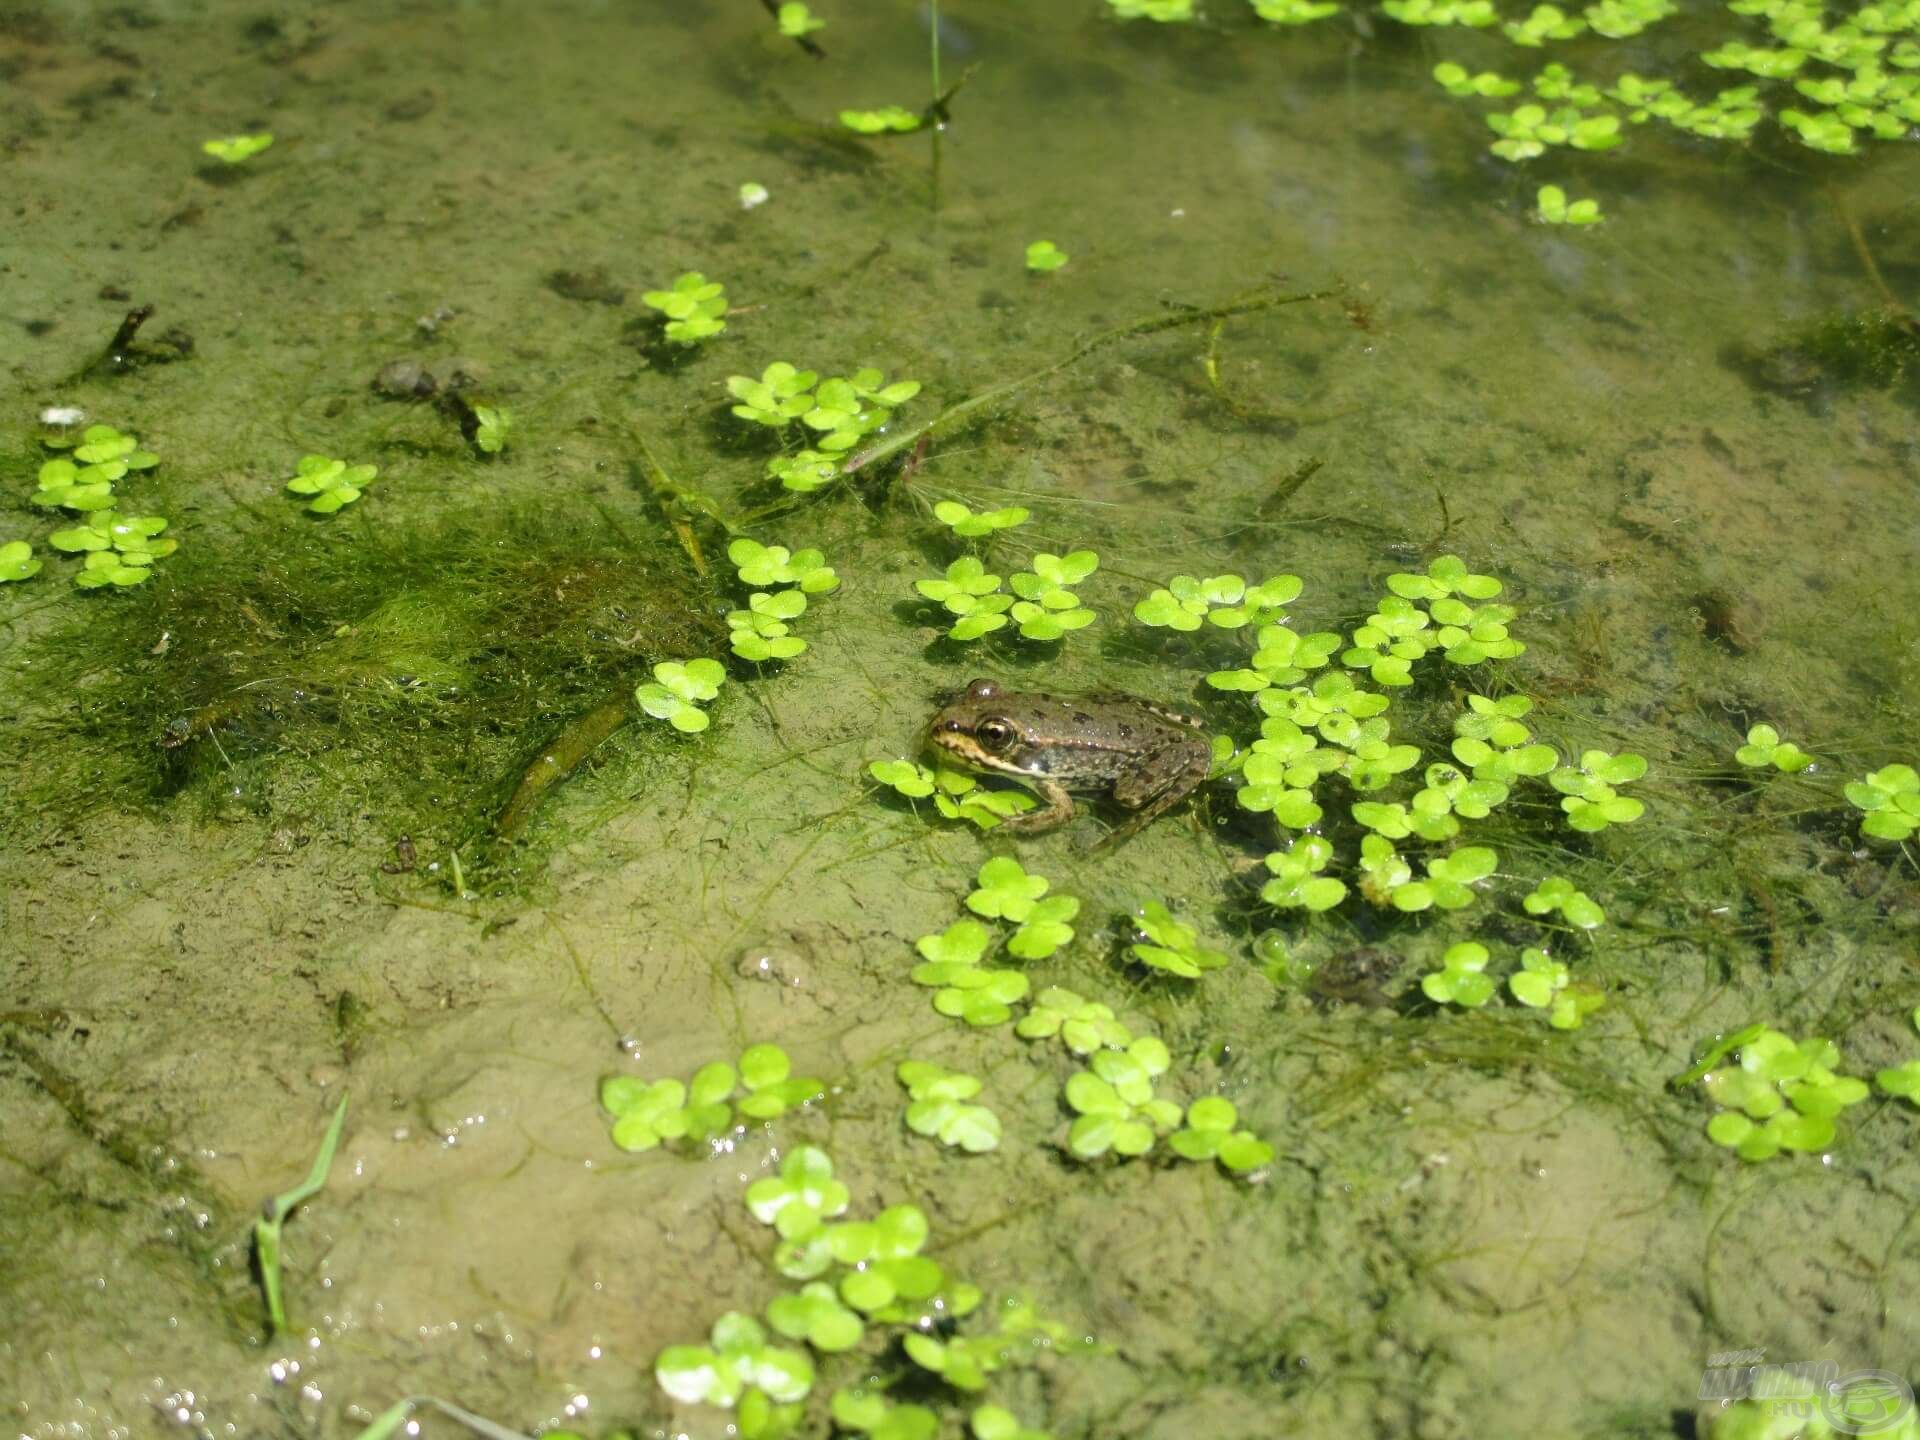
[[266, 1230]]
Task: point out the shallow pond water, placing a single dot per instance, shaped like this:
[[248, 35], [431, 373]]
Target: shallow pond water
[[1683, 439]]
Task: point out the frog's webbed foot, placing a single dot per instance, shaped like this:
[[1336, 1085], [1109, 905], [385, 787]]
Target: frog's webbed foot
[[1150, 805], [1057, 811]]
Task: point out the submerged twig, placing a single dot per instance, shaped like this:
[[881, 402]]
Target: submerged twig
[[559, 760], [948, 418]]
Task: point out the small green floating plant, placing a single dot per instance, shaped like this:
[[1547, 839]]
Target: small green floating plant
[[694, 306], [1889, 801], [939, 1107], [760, 632], [1169, 946], [329, 485], [1764, 747], [1040, 602], [1779, 1095], [104, 456], [956, 795], [17, 562], [1043, 256], [679, 690], [838, 411], [702, 1110], [233, 149]]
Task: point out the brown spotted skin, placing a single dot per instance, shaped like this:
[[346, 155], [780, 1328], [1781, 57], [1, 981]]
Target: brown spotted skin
[[1146, 756]]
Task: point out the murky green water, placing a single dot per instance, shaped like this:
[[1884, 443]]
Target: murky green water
[[1476, 1225]]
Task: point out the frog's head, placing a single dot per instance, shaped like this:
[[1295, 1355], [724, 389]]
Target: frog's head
[[983, 730]]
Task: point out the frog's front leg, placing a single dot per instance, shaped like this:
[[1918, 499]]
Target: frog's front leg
[[1057, 810]]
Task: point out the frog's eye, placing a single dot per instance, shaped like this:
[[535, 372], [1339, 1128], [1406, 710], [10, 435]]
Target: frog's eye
[[995, 734]]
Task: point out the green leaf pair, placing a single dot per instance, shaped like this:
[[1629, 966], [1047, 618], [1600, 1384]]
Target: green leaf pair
[[1591, 801], [956, 794], [646, 1114], [679, 690], [694, 306], [1226, 601], [1083, 1025], [1114, 1100], [1890, 801], [964, 989], [1576, 907], [1170, 947], [939, 1107], [330, 484], [1388, 878], [1210, 1134], [761, 565], [963, 520], [1297, 883]]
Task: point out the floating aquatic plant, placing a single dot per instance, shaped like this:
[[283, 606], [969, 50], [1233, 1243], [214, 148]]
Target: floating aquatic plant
[[964, 520], [1166, 12], [964, 989], [1591, 801], [1044, 255], [104, 455], [1543, 983], [939, 1107], [1297, 883], [679, 690], [815, 1315], [330, 484], [1458, 80], [646, 1114], [1223, 600], [1281, 657], [1461, 978], [864, 1412], [836, 411], [1294, 12], [1890, 801], [1211, 1133], [761, 565], [1902, 1080], [760, 632], [1169, 946], [738, 1359], [1008, 892], [1115, 1103], [991, 1422], [120, 549], [1780, 1095], [1047, 608], [796, 20], [1554, 208], [1492, 742], [1576, 907], [803, 1195], [695, 306], [491, 426], [232, 149], [956, 795], [1388, 877], [888, 118], [1083, 1025], [17, 562]]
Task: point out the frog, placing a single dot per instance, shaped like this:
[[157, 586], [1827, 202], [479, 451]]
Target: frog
[[1147, 757]]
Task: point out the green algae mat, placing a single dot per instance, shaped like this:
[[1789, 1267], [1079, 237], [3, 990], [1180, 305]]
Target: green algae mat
[[493, 498]]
